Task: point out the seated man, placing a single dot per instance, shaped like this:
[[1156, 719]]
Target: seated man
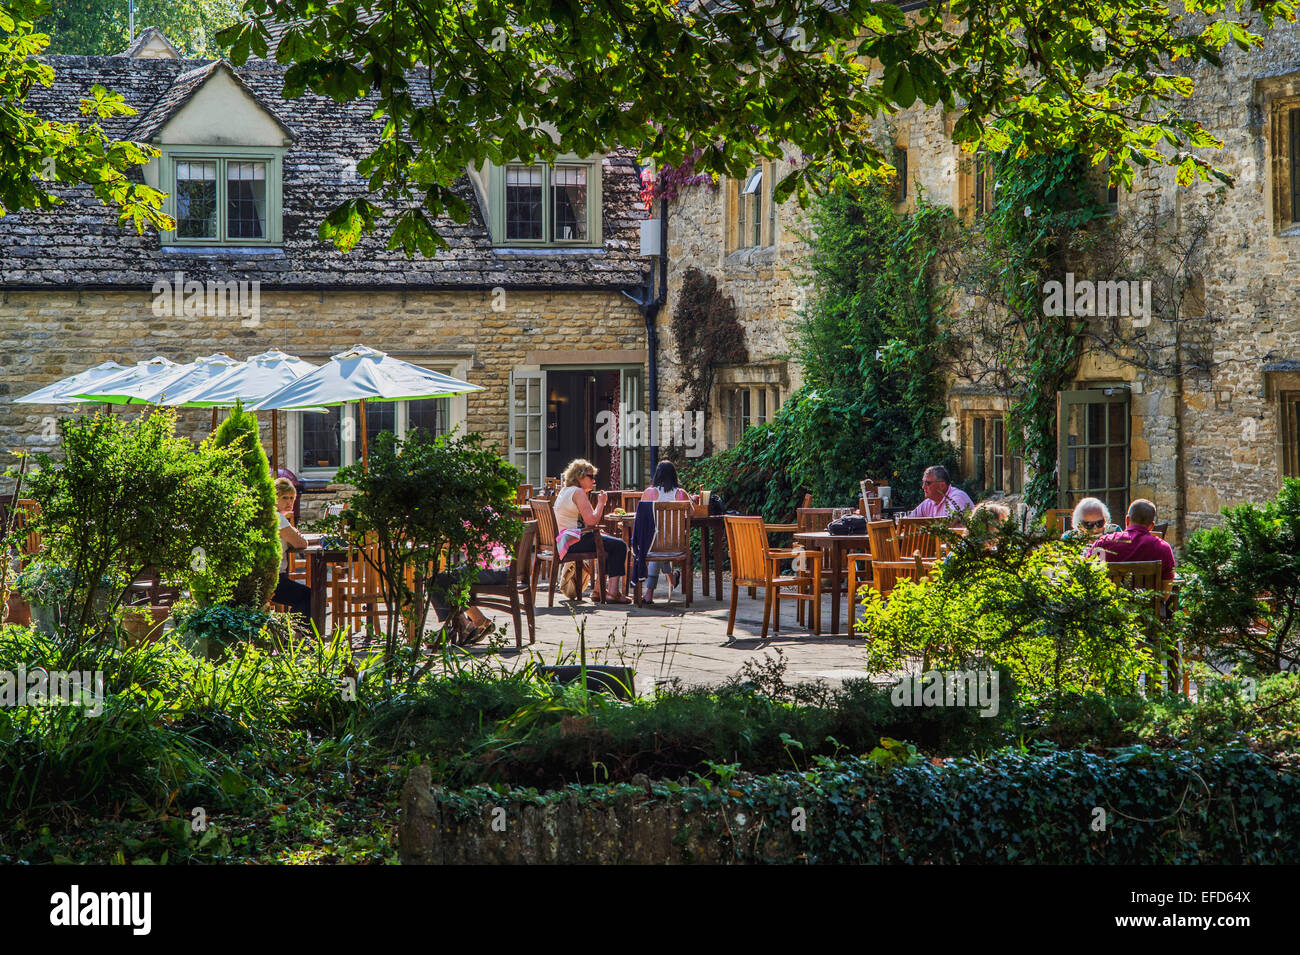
[[941, 498], [1136, 542]]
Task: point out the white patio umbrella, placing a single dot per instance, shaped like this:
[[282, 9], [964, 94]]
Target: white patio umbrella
[[249, 381], [136, 385], [63, 390], [363, 374], [200, 373]]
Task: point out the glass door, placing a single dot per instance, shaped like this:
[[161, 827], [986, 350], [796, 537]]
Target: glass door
[[527, 424], [1094, 447]]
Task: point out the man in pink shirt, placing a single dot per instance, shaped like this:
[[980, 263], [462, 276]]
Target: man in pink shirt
[[941, 498], [1136, 542]]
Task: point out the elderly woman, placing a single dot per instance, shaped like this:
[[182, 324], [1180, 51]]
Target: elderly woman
[[574, 519], [1090, 520]]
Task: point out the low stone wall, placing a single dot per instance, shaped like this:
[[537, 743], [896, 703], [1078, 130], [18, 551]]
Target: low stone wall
[[625, 824]]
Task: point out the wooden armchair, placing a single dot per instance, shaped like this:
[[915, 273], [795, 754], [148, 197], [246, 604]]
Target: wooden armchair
[[915, 536], [26, 511], [754, 564], [672, 544], [517, 592], [887, 573], [872, 508], [1058, 519], [357, 591], [523, 493], [548, 554]]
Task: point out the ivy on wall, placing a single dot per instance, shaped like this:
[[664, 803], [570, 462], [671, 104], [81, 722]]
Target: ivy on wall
[[708, 333]]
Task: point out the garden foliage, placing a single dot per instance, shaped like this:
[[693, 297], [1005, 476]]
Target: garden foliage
[[130, 495], [1040, 609], [1242, 598]]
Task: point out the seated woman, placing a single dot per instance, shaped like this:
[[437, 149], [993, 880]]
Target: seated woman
[[574, 518], [664, 487], [1090, 520], [296, 596], [988, 517]]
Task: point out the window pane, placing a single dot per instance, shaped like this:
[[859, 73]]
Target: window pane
[[1096, 424], [431, 414], [977, 439], [569, 187], [1118, 423], [380, 416], [996, 475], [320, 438], [246, 200], [196, 200], [523, 202]]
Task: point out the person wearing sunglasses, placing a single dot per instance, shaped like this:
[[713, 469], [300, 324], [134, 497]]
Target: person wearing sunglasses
[[1090, 520], [577, 522], [941, 498]]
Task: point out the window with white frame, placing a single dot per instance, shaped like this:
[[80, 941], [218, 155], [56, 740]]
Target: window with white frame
[[320, 443], [747, 405], [752, 219]]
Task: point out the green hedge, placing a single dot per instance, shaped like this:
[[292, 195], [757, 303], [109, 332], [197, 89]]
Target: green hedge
[[1161, 807]]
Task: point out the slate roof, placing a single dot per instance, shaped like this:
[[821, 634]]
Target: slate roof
[[80, 244]]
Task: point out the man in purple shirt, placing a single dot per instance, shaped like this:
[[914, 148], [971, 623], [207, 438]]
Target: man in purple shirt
[[941, 498], [1136, 542]]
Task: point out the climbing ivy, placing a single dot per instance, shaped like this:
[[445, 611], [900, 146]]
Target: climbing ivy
[[1043, 217], [708, 333]]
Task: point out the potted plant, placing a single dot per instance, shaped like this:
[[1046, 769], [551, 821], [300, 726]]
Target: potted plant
[[47, 588], [143, 624]]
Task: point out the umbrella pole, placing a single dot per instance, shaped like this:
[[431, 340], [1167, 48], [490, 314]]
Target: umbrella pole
[[214, 417], [275, 443], [365, 447]]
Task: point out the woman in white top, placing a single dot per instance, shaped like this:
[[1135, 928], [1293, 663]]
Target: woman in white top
[[664, 487], [574, 515], [296, 596]]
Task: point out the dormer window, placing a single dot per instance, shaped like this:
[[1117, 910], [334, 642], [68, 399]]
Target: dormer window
[[225, 199], [221, 159], [546, 205]]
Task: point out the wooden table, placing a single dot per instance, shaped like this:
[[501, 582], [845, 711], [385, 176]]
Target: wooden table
[[318, 560], [838, 545]]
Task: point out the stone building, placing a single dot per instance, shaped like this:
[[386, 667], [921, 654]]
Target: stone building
[[527, 301], [1227, 430]]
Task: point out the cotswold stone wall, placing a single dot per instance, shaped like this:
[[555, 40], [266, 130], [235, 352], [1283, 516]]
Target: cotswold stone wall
[[49, 335], [1232, 445]]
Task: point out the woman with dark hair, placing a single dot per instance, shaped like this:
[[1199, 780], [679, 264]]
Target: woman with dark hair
[[664, 487]]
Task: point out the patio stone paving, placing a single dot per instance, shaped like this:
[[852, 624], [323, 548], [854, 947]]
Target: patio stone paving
[[666, 643]]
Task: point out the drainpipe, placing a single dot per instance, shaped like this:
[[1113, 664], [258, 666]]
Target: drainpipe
[[650, 305]]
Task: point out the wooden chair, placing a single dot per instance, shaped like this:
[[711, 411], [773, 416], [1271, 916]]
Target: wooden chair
[[523, 493], [754, 564], [629, 500], [1059, 519], [1146, 575], [357, 592], [813, 518], [887, 573], [860, 575], [547, 531], [884, 539], [915, 536], [26, 511], [517, 592], [872, 508], [1159, 530], [807, 501], [672, 544], [1136, 575]]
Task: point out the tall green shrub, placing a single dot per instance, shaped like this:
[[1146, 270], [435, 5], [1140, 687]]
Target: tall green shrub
[[1242, 597], [254, 589]]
